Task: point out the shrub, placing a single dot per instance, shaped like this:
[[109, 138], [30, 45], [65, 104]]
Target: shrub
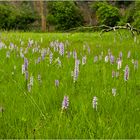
[[106, 14], [12, 17], [132, 15], [136, 22], [6, 18], [65, 15], [136, 15], [51, 19], [127, 17]]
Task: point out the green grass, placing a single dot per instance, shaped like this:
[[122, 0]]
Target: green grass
[[38, 114]]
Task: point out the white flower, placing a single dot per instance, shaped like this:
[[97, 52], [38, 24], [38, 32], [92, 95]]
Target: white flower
[[51, 57], [84, 60], [95, 103], [126, 73], [106, 58], [119, 64], [8, 54], [29, 87], [23, 69], [114, 91]]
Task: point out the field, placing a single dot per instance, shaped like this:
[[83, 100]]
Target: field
[[99, 77]]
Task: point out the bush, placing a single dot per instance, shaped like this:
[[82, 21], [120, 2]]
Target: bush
[[64, 15], [12, 17], [136, 22], [106, 14], [136, 15], [127, 17], [51, 19], [6, 18], [132, 15]]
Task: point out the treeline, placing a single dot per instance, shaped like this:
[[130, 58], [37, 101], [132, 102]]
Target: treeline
[[64, 15]]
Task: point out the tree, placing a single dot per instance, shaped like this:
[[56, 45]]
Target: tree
[[40, 7], [64, 14], [43, 15], [106, 13]]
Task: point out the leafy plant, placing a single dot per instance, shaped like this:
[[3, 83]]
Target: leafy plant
[[65, 15], [12, 17], [106, 14]]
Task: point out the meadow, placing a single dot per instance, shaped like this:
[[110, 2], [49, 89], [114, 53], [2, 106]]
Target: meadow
[[69, 85]]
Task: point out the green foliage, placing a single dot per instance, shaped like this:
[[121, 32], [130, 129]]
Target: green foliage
[[25, 17], [136, 22], [132, 15], [6, 17], [106, 13], [136, 15], [12, 17], [51, 19], [65, 15], [127, 17]]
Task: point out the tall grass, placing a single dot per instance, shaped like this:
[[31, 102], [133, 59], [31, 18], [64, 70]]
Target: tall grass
[[38, 114]]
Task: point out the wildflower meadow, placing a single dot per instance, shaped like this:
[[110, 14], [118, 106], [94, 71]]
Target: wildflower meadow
[[69, 85]]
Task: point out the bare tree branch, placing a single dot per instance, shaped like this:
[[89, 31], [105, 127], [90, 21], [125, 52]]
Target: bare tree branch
[[105, 28]]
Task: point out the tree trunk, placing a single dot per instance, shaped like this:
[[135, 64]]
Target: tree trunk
[[43, 15]]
